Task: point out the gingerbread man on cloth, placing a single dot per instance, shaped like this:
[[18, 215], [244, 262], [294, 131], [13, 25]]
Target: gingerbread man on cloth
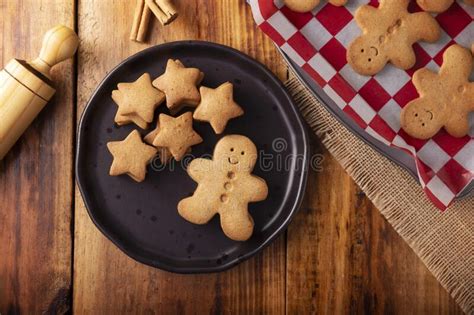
[[446, 98], [388, 34], [226, 186], [303, 6]]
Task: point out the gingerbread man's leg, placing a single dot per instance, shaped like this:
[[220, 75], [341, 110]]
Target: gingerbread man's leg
[[195, 210], [236, 222]]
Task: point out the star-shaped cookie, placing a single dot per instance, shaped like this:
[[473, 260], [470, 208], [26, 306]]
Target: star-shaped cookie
[[124, 120], [131, 156], [137, 101], [164, 153], [176, 134], [179, 85], [217, 106]]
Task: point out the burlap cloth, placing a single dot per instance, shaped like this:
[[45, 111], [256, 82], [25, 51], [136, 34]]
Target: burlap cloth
[[444, 241]]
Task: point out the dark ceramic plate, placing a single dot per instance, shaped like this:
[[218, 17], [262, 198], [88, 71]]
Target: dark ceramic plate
[[141, 218]]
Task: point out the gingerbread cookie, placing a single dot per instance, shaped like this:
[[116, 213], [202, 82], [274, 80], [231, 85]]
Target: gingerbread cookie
[[125, 120], [438, 6], [179, 85], [131, 156], [163, 153], [226, 186], [137, 101], [446, 98], [176, 134], [217, 106], [303, 6], [389, 33], [435, 6]]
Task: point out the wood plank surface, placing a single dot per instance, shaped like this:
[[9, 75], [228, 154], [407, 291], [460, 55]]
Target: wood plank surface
[[338, 256], [105, 280], [343, 257], [36, 179]]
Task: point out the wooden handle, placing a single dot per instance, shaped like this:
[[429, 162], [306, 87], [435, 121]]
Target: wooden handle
[[59, 43]]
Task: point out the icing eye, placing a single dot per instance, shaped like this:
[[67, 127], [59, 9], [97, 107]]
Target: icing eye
[[370, 59], [416, 115], [242, 153], [423, 124], [362, 50], [231, 149]]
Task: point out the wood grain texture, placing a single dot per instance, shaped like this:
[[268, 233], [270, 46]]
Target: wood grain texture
[[338, 256], [36, 182], [343, 257], [257, 285]]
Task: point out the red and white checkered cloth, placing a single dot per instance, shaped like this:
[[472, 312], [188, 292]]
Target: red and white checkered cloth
[[317, 42]]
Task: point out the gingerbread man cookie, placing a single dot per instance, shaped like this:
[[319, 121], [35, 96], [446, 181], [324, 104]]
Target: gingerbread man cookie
[[226, 186], [303, 6], [179, 85], [217, 106], [137, 101], [446, 98], [176, 134], [438, 6], [131, 156], [389, 33]]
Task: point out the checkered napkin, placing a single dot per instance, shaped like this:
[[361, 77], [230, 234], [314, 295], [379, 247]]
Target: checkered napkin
[[317, 42]]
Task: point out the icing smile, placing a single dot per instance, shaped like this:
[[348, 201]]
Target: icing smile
[[233, 161]]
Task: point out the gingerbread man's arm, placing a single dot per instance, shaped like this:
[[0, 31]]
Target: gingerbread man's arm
[[198, 168], [470, 96], [257, 188], [422, 26], [457, 61], [457, 123], [425, 80], [404, 57]]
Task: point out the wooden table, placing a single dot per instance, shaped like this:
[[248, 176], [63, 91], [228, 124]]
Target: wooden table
[[338, 256]]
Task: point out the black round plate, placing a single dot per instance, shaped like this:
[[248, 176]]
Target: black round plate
[[141, 218]]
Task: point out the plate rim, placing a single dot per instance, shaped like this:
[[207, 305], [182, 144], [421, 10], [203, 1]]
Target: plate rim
[[301, 183]]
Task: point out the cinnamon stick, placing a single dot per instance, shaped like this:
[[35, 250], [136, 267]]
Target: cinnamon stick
[[137, 16], [145, 21], [164, 10]]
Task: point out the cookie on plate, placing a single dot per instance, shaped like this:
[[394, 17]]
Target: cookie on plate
[[226, 186], [131, 156], [217, 106], [388, 34], [137, 101], [179, 85], [176, 134], [163, 153], [446, 98]]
